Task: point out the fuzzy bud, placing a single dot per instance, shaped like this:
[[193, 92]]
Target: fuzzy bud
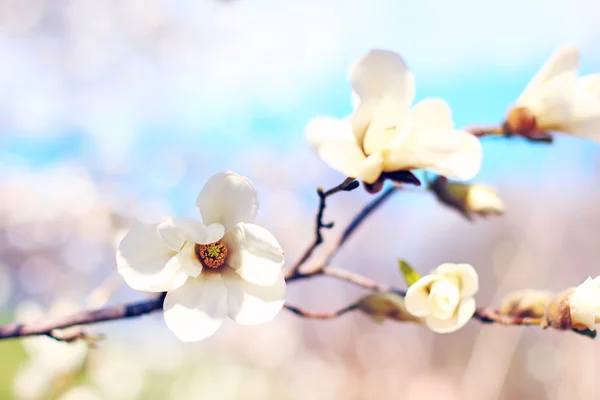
[[526, 303], [558, 312], [521, 121], [382, 306], [469, 199]]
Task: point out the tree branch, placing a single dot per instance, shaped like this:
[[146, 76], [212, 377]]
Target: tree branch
[[320, 315], [52, 327], [348, 185]]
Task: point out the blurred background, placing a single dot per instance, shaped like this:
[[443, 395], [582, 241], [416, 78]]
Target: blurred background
[[117, 111]]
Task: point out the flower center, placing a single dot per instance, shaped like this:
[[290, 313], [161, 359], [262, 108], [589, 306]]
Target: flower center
[[212, 255]]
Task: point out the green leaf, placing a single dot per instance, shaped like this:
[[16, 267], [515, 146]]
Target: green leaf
[[408, 272], [586, 332]]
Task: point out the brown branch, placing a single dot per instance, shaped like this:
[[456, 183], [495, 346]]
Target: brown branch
[[488, 315], [480, 131], [348, 185], [52, 327], [320, 315]]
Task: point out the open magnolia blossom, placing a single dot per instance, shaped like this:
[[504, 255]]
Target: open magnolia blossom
[[222, 266], [385, 137], [584, 305], [444, 297], [556, 99]]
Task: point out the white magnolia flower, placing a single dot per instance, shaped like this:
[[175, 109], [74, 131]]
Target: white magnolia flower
[[556, 99], [384, 135], [445, 297], [584, 304], [222, 266]]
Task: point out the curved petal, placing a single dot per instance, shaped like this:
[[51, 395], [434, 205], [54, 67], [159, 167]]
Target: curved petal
[[254, 254], [444, 297], [143, 260], [175, 231], [251, 304], [377, 75], [228, 198], [321, 130], [451, 153], [417, 296], [186, 261], [549, 93], [585, 108], [431, 114], [582, 305], [343, 156], [382, 128], [465, 274], [370, 169], [565, 61], [458, 320], [196, 310]]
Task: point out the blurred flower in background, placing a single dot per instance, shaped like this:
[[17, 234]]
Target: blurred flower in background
[[114, 113]]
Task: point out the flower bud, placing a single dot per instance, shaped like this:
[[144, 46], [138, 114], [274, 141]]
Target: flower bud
[[558, 312], [469, 199], [382, 306], [520, 121], [526, 303]]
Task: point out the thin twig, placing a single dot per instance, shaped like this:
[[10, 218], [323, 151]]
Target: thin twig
[[347, 185], [320, 315], [488, 315], [480, 131], [52, 327], [359, 219]]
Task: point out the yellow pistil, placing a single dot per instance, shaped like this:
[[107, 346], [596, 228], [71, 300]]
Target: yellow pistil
[[212, 255]]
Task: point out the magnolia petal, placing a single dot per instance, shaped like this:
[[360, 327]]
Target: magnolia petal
[[370, 169], [583, 304], [321, 130], [380, 73], [175, 231], [342, 156], [465, 274], [382, 129], [251, 304], [228, 198], [417, 296], [431, 114], [186, 262], [454, 154], [444, 297], [565, 61], [458, 320], [254, 254], [196, 310], [585, 108], [143, 260]]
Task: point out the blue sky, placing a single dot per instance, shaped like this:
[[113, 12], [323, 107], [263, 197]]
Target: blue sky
[[220, 79]]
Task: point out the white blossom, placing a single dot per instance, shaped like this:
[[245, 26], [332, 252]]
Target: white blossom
[[444, 297], [556, 99], [584, 304], [385, 135], [222, 266]]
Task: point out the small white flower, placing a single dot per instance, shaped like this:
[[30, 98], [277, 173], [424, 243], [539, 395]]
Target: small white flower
[[584, 304], [445, 297], [384, 135], [556, 99], [222, 266]]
